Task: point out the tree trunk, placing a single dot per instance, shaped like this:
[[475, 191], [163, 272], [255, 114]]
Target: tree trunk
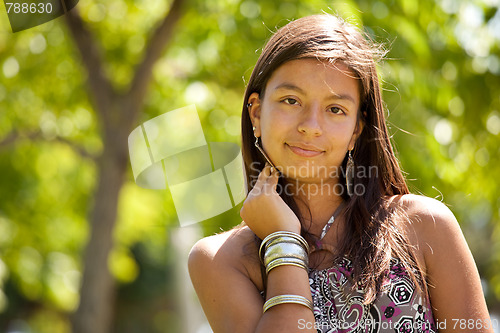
[[97, 292], [117, 114]]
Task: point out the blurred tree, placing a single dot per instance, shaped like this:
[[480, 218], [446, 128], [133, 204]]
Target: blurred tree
[[117, 113]]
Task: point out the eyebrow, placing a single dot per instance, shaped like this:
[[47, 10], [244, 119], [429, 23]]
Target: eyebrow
[[334, 95]]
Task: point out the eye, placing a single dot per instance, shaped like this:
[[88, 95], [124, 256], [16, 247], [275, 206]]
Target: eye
[[291, 101], [336, 110]]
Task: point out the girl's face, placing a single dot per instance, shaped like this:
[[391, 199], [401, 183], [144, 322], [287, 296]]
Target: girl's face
[[307, 118]]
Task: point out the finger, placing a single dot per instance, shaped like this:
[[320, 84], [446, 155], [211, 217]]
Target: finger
[[268, 169], [266, 172], [263, 175], [272, 181], [273, 176]]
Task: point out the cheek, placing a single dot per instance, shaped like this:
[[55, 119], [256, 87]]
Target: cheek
[[341, 131], [275, 120], [276, 129]]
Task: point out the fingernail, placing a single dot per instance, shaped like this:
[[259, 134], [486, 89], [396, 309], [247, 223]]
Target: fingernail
[[272, 169]]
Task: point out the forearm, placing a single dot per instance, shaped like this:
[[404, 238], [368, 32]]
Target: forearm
[[287, 280]]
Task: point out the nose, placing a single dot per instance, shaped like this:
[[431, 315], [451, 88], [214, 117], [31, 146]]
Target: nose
[[310, 122]]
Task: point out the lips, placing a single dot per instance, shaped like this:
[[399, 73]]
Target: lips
[[305, 150]]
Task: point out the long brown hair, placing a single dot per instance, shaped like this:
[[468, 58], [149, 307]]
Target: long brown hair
[[374, 233]]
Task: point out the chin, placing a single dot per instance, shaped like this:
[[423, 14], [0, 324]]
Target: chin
[[306, 172], [307, 179]]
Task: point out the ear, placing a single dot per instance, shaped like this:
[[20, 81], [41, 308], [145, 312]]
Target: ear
[[360, 124], [254, 108]]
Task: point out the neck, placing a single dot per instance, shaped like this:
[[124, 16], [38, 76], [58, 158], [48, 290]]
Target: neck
[[316, 202]]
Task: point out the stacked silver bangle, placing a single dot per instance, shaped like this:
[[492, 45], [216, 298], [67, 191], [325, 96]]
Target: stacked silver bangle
[[285, 248]]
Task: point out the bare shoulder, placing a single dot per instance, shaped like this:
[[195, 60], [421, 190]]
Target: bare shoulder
[[228, 244], [427, 210], [231, 250], [426, 214], [433, 227], [224, 270]]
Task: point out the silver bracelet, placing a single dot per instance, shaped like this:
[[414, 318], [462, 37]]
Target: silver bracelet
[[277, 234], [284, 299], [284, 239], [285, 250], [286, 262]]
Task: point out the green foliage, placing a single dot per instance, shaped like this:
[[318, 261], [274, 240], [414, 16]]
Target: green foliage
[[440, 80]]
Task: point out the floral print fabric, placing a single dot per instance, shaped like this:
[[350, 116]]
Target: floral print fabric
[[399, 308]]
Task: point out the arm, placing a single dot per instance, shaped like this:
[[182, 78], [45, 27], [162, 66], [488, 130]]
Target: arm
[[454, 284], [230, 300]]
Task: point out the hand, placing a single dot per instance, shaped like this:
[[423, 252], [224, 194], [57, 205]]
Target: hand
[[264, 211]]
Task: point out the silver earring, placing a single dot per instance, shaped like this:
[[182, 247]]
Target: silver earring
[[264, 153], [349, 176], [256, 138]]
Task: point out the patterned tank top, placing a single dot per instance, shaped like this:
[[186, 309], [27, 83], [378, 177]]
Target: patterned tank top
[[399, 308]]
